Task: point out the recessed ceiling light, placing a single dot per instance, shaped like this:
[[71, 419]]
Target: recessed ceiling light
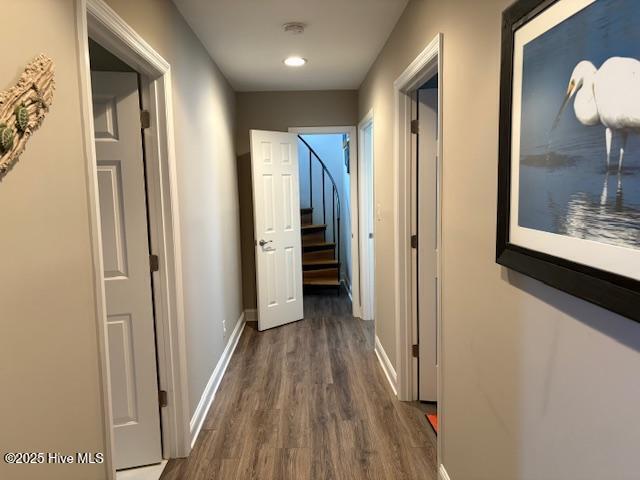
[[295, 61]]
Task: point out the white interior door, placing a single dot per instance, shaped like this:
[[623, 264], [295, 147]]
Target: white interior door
[[427, 191], [276, 210], [367, 222], [127, 276]]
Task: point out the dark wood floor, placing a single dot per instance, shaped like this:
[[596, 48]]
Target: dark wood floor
[[309, 401]]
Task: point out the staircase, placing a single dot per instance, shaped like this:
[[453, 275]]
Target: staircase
[[320, 244], [319, 265]]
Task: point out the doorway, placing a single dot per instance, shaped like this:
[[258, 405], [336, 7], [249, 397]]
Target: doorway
[[97, 21], [425, 67], [426, 245], [328, 185], [127, 263]]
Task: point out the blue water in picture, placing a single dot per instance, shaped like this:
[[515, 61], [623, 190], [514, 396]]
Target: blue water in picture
[[565, 186]]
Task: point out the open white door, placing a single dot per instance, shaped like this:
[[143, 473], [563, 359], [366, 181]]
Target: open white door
[[276, 212], [127, 275], [427, 179]]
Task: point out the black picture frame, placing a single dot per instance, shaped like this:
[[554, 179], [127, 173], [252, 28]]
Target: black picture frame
[[614, 292]]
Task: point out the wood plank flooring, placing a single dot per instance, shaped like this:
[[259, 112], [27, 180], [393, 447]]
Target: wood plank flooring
[[309, 401]]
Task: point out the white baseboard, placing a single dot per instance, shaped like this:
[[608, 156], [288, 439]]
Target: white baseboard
[[214, 382], [442, 473], [251, 315], [387, 368]]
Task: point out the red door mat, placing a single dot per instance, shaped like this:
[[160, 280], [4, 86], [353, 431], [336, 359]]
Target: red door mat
[[433, 420]]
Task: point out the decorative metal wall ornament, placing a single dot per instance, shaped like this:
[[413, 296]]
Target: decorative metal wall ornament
[[23, 108]]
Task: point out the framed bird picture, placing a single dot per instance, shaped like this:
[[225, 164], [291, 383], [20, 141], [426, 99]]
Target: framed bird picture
[[569, 148]]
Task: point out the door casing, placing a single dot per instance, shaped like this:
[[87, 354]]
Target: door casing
[[97, 20]]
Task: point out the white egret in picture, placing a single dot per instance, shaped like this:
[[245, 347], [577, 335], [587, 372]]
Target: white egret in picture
[[609, 96]]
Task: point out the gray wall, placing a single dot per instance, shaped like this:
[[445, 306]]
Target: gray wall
[[538, 385], [279, 111]]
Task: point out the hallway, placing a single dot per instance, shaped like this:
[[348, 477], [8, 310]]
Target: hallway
[[309, 401]]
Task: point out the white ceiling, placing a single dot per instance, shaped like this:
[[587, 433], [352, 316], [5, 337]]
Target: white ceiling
[[246, 40]]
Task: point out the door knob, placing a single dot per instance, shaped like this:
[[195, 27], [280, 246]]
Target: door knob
[[262, 243]]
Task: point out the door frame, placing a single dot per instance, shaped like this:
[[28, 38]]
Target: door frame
[[427, 64], [98, 21], [353, 193], [366, 210]]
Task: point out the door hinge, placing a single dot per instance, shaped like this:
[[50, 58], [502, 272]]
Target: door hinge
[[163, 398], [414, 241], [154, 263], [145, 119], [414, 350], [415, 127]]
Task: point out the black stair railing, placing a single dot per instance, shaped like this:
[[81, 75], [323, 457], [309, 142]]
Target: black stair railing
[[335, 197]]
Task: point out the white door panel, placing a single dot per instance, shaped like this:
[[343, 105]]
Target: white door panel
[[125, 245], [276, 197], [427, 241]]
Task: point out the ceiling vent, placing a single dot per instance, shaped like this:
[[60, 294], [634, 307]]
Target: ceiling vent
[[295, 28]]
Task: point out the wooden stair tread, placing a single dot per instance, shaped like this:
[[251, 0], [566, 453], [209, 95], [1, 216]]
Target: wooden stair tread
[[322, 282], [319, 245], [320, 254], [313, 226], [329, 262], [306, 210]]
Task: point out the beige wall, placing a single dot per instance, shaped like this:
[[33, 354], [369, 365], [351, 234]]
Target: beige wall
[[49, 373], [538, 385], [204, 119], [279, 111]]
